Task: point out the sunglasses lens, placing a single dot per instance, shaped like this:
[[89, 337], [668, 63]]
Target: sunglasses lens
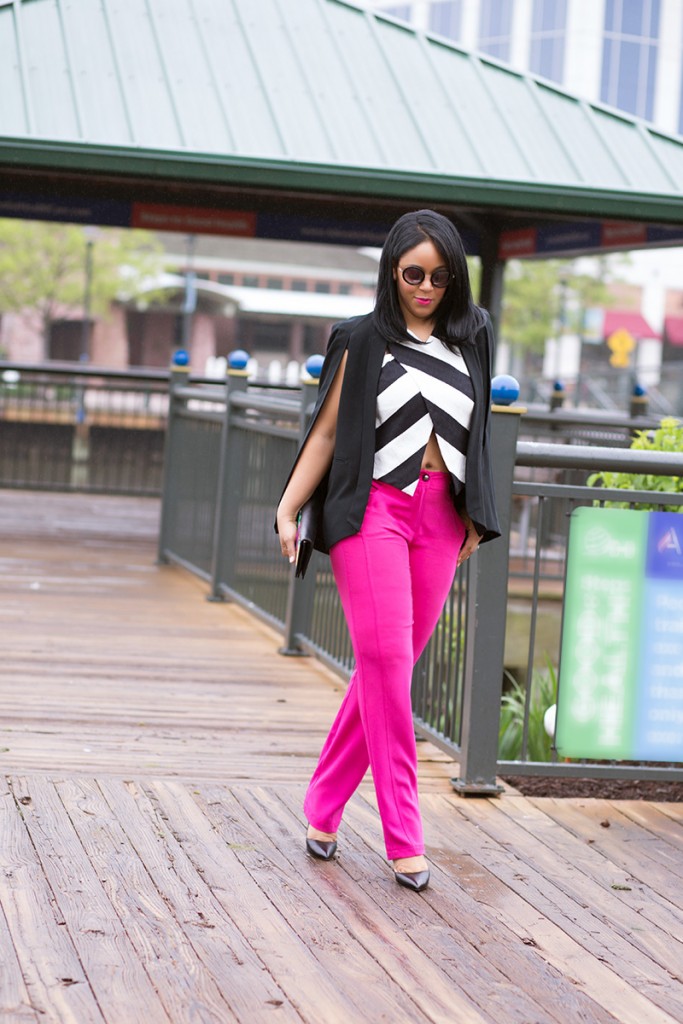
[[416, 275], [413, 275]]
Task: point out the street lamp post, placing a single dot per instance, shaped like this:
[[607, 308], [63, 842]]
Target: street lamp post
[[563, 285], [190, 297], [90, 235]]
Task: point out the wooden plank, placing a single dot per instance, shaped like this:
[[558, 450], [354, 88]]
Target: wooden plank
[[364, 898], [651, 905], [643, 900], [647, 955], [673, 811], [377, 992], [654, 864], [653, 819], [535, 908], [121, 985], [220, 952], [159, 927], [56, 985], [314, 974], [15, 1003], [131, 671], [474, 955], [497, 939], [133, 675]]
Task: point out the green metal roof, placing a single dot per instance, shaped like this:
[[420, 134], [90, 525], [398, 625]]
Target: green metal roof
[[226, 100]]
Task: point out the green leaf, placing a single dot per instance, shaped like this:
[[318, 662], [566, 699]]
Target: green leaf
[[667, 437]]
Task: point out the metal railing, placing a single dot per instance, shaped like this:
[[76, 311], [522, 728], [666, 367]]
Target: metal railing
[[583, 426], [71, 428], [226, 462], [227, 452], [612, 389], [226, 449]]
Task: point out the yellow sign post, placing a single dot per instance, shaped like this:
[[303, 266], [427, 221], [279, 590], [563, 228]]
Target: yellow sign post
[[621, 343]]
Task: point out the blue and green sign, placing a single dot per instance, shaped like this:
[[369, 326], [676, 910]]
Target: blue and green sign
[[621, 665]]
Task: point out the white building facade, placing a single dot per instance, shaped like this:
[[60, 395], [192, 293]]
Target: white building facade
[[626, 54]]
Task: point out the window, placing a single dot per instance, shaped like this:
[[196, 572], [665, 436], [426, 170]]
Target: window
[[275, 283], [401, 11], [548, 38], [344, 289], [446, 18], [226, 278], [495, 26], [250, 281], [629, 55], [65, 339], [298, 285], [322, 286], [632, 17]]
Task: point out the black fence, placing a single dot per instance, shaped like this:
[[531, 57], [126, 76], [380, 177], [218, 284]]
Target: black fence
[[70, 428], [504, 610], [223, 453]]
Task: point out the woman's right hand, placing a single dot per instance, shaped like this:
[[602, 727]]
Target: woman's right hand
[[287, 530], [312, 464]]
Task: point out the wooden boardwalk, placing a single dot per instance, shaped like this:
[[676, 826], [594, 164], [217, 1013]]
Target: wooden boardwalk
[[155, 749]]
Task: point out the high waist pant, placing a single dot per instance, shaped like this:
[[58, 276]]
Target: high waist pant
[[393, 579]]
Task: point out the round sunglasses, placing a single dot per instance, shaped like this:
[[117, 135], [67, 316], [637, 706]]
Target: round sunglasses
[[416, 275]]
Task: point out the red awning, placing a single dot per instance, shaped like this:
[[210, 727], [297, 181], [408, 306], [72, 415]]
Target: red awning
[[627, 319], [673, 329]]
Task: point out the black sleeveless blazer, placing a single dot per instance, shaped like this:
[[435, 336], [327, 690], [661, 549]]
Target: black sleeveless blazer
[[346, 486]]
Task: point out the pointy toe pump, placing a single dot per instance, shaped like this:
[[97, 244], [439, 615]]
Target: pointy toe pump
[[323, 849], [415, 880]]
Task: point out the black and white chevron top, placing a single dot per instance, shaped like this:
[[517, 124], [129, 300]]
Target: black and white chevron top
[[423, 387]]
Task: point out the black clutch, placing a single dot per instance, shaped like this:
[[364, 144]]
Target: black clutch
[[309, 525]]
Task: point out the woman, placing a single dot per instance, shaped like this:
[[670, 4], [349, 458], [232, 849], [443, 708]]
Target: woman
[[398, 444]]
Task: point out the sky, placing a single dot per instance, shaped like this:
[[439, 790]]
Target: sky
[[656, 270]]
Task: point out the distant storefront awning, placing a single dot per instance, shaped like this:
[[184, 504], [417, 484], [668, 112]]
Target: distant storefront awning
[[266, 302], [673, 330], [628, 320]]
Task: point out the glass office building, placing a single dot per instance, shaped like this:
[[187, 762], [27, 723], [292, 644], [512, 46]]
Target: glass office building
[[624, 53]]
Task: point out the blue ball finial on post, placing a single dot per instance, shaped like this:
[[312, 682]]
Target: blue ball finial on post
[[181, 357], [313, 366], [504, 389], [238, 359], [639, 391], [557, 396]]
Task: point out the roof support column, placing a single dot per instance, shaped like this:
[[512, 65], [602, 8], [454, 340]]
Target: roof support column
[[492, 274]]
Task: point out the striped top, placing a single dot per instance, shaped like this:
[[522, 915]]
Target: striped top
[[424, 387]]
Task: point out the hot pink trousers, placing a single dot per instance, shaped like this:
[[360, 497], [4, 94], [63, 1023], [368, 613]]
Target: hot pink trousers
[[393, 578]]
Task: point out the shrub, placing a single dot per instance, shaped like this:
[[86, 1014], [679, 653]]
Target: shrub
[[668, 437], [543, 695]]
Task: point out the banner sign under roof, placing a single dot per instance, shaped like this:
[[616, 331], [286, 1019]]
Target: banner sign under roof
[[565, 238], [576, 237]]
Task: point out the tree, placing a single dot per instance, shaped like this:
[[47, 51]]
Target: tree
[[530, 304], [43, 267], [542, 298]]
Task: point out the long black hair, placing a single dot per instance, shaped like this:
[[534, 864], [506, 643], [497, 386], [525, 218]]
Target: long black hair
[[457, 317]]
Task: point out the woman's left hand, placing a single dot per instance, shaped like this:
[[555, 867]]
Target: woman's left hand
[[471, 541]]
